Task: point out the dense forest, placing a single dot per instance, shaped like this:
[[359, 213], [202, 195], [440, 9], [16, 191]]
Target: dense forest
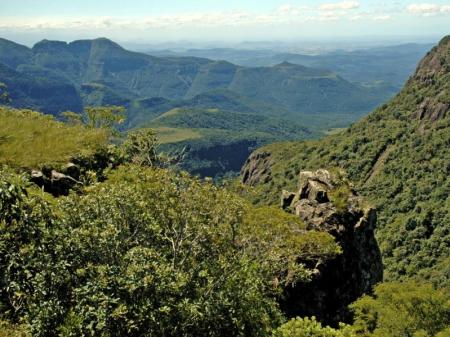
[[102, 233]]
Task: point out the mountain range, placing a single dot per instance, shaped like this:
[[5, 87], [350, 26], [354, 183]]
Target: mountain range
[[257, 105], [102, 72], [387, 65]]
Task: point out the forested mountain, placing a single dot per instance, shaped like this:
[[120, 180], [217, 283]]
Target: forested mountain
[[40, 90], [399, 158], [103, 72]]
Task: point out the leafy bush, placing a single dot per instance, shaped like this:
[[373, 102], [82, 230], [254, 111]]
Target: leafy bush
[[10, 330], [309, 327], [403, 309], [140, 147], [148, 252]]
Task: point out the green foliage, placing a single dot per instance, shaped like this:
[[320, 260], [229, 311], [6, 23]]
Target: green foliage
[[339, 196], [72, 118], [219, 141], [10, 330], [104, 117], [309, 327], [4, 96], [403, 309], [444, 333], [276, 233], [140, 147], [147, 252], [30, 140]]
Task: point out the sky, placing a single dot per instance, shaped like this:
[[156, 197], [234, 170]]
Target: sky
[[152, 21]]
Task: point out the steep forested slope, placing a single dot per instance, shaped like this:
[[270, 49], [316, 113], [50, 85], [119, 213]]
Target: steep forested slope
[[399, 157]]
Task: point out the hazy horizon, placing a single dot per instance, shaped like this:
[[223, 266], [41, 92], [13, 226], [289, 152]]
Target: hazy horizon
[[220, 23]]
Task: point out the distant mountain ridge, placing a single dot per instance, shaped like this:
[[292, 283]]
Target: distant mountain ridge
[[112, 74], [390, 65]]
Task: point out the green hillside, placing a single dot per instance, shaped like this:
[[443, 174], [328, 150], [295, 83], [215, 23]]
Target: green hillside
[[390, 65], [399, 157], [40, 90], [152, 251], [217, 141], [257, 105]]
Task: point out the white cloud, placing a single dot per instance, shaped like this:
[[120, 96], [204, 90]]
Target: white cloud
[[343, 5], [283, 14], [428, 9], [356, 17], [445, 9], [382, 17], [330, 16], [289, 10]]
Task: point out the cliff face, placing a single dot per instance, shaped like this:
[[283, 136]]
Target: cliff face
[[327, 202]]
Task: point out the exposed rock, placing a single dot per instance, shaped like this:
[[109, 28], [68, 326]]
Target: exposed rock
[[430, 71], [37, 177], [72, 170], [338, 282], [286, 199], [256, 169], [432, 110], [55, 182]]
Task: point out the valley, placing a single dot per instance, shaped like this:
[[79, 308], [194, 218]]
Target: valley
[[256, 105]]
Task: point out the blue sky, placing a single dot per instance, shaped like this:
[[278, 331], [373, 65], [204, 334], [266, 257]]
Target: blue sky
[[228, 20]]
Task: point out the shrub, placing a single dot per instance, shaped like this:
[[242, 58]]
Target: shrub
[[309, 327]]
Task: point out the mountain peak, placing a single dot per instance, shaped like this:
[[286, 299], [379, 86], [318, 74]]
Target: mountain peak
[[103, 41], [49, 45], [437, 61], [98, 42], [286, 64]]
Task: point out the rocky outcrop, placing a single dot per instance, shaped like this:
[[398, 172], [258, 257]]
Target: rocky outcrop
[[433, 72], [327, 202], [256, 169], [54, 182]]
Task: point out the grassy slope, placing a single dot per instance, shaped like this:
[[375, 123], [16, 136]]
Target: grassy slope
[[30, 140], [401, 163]]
